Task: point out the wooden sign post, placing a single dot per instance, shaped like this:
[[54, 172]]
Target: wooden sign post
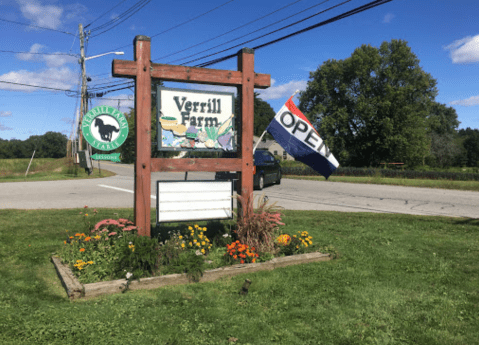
[[143, 70]]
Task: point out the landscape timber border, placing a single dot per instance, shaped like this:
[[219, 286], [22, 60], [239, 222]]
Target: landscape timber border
[[143, 71], [76, 290]]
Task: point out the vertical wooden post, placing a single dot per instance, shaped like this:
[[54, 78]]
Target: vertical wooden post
[[246, 93], [142, 202]]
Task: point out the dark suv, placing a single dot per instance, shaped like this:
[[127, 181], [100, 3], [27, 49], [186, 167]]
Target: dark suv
[[267, 170]]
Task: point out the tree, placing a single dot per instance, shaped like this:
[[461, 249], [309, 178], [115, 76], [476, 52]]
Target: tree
[[471, 145], [373, 106], [263, 114]]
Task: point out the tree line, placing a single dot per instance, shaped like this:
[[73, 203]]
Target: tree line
[[48, 145]]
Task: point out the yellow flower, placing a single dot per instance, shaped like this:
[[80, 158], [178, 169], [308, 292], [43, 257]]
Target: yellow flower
[[198, 244], [206, 239], [196, 226], [182, 245], [204, 229], [203, 251], [181, 237], [194, 241], [203, 243], [190, 244], [90, 262], [190, 228], [86, 214]]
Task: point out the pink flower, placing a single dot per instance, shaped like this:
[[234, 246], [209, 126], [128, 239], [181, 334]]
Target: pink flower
[[112, 233], [85, 206], [105, 222], [129, 228]]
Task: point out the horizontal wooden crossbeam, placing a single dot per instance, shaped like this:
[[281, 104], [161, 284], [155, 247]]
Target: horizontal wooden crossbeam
[[197, 75], [196, 164]]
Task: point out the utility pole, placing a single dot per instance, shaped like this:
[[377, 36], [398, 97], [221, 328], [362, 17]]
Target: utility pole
[[83, 104]]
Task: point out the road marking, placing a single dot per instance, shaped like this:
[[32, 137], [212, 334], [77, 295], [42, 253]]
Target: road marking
[[121, 189]]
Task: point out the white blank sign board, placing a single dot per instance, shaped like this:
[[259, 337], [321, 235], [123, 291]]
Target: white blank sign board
[[194, 200]]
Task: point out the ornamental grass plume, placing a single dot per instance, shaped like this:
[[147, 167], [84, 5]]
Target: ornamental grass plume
[[257, 227]]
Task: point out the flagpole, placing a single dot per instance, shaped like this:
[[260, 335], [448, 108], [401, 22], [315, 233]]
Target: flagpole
[[261, 137]]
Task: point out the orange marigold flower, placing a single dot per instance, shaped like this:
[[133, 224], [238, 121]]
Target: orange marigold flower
[[82, 250], [235, 256], [87, 239], [242, 261], [254, 260]]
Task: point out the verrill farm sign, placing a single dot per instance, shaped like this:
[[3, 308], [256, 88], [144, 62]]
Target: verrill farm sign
[[195, 120], [105, 128]]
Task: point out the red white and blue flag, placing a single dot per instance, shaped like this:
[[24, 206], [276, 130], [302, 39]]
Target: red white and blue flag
[[292, 130]]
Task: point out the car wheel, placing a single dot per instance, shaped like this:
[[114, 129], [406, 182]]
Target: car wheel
[[261, 182], [278, 180]]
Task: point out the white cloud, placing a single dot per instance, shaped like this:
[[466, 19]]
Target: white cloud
[[471, 101], [59, 78], [5, 128], [58, 60], [35, 48], [284, 90], [465, 50], [126, 102], [50, 60], [47, 16], [388, 18], [5, 113]]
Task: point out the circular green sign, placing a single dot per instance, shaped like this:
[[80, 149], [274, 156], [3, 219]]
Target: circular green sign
[[105, 128]]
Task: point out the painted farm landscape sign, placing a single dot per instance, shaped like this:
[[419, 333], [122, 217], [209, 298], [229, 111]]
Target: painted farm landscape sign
[[191, 119]]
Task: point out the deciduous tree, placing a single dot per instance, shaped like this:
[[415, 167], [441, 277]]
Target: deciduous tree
[[373, 106]]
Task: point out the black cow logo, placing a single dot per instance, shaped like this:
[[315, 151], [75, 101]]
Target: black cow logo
[[106, 131]]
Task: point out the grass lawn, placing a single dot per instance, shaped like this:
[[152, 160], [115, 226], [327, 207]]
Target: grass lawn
[[399, 279], [444, 184], [45, 169]]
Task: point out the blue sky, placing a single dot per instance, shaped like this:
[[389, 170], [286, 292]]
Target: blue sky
[[443, 34]]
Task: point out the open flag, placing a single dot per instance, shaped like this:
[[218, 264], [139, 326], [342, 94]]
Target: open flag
[[292, 130]]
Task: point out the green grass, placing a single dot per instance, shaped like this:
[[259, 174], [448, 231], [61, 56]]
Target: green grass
[[45, 169], [399, 279], [444, 184]]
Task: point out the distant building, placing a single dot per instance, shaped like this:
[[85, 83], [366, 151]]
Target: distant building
[[273, 147]]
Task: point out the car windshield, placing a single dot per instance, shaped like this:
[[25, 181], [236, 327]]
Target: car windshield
[[261, 157]]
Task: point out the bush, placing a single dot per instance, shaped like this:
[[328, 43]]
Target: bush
[[411, 174], [257, 228]]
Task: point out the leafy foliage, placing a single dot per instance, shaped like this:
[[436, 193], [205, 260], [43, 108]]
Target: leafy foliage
[[372, 106], [48, 145]]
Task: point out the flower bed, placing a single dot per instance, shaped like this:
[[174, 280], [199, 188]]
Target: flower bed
[[110, 250]]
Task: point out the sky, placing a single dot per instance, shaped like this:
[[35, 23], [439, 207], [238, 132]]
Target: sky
[[39, 46]]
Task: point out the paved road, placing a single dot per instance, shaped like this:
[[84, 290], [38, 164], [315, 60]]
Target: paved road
[[117, 191]]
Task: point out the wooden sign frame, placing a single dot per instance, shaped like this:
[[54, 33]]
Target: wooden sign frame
[[143, 70]]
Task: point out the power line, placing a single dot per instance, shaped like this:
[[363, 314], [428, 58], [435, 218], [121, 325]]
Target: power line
[[144, 3], [267, 34], [9, 51], [331, 20], [239, 27], [120, 16], [36, 26], [328, 21], [101, 15], [37, 86], [176, 26], [264, 27]]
